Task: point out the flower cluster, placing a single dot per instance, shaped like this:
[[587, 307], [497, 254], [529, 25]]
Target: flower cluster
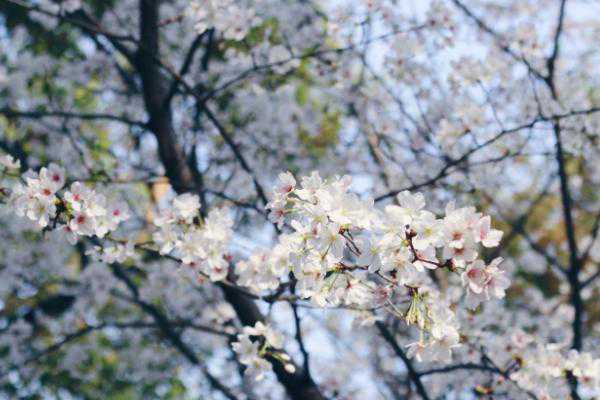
[[540, 369], [255, 344], [92, 213], [226, 16], [482, 280], [437, 316], [79, 211], [7, 162], [344, 251], [261, 271], [197, 242], [69, 6], [116, 252], [35, 198]]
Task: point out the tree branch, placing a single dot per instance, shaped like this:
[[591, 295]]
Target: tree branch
[[551, 62], [35, 114], [412, 373]]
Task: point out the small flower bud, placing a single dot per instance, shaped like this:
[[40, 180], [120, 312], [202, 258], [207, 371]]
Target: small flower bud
[[290, 368]]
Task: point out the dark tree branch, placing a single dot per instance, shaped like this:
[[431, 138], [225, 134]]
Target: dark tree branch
[[188, 61], [155, 92], [574, 260], [551, 62], [300, 340], [567, 207], [412, 372], [237, 152], [458, 367], [35, 114], [591, 279], [75, 18]]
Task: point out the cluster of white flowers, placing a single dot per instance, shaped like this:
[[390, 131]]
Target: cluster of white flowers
[[116, 252], [92, 213], [7, 162], [436, 316], [69, 6], [36, 198], [79, 211], [483, 280], [255, 344], [260, 271], [226, 16], [197, 242], [541, 370], [345, 251], [585, 368]]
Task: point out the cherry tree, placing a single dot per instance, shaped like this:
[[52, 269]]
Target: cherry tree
[[261, 199]]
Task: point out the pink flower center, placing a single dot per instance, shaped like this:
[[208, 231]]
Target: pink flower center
[[473, 274]]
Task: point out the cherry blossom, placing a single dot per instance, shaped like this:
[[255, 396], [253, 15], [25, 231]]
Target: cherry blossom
[[201, 244], [436, 235], [81, 211], [254, 344]]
